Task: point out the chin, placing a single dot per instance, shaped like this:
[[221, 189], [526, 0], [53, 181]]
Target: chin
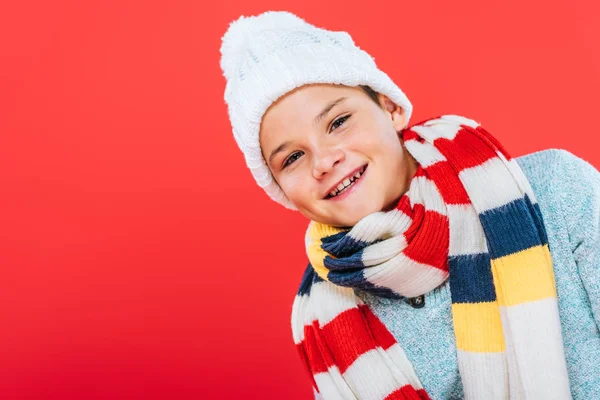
[[367, 209], [354, 219], [350, 218]]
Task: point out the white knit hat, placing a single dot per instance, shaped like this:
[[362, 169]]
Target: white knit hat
[[265, 56]]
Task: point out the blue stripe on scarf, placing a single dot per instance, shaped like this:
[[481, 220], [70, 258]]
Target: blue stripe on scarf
[[471, 278], [341, 264], [510, 228], [356, 280], [308, 278], [538, 219], [342, 245]]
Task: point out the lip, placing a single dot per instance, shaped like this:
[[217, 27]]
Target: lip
[[351, 189]]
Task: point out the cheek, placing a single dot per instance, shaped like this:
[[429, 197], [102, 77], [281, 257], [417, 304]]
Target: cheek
[[361, 140], [370, 146], [296, 186], [390, 144], [373, 139]]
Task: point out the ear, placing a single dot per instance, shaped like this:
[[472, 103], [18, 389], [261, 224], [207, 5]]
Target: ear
[[396, 112]]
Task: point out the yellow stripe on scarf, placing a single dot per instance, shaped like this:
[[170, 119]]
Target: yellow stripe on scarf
[[478, 327], [524, 276], [316, 254]]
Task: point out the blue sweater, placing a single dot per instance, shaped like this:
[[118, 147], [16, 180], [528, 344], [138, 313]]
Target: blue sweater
[[568, 192]]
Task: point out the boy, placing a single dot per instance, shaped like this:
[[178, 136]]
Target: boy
[[440, 267]]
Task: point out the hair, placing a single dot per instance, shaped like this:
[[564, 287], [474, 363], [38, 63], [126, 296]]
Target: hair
[[371, 93]]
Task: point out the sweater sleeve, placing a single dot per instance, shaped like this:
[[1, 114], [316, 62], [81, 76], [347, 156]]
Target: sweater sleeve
[[580, 201]]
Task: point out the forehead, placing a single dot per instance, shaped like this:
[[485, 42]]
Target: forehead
[[309, 98]]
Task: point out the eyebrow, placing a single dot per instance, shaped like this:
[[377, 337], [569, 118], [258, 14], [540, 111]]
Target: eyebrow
[[328, 108], [317, 119], [279, 148]]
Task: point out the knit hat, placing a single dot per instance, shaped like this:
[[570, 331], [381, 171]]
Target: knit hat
[[266, 56]]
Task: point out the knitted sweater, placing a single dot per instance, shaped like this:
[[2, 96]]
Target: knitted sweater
[[568, 193]]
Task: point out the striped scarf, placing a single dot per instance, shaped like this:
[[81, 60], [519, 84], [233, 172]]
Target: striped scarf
[[469, 216]]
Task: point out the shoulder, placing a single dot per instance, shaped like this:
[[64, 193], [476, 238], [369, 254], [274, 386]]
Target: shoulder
[[542, 158], [556, 169], [569, 185], [540, 161]]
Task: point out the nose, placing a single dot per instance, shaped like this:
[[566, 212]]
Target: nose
[[326, 160]]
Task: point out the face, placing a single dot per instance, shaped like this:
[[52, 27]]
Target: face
[[337, 154]]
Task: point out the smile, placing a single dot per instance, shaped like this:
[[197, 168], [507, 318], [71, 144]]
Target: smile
[[346, 184]]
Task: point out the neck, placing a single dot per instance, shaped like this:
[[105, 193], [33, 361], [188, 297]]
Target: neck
[[413, 165]]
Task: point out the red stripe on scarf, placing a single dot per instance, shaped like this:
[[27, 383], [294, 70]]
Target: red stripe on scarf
[[382, 335], [368, 334], [314, 355], [407, 393], [495, 141], [466, 150], [431, 240], [301, 348], [448, 183], [416, 215], [351, 325], [371, 333]]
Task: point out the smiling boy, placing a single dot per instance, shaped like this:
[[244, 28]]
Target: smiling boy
[[336, 152], [438, 265]]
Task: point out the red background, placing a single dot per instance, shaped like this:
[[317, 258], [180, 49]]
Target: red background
[[138, 258]]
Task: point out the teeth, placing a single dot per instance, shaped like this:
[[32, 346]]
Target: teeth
[[345, 183]]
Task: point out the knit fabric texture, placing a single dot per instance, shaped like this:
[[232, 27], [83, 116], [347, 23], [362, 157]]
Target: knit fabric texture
[[469, 216], [568, 192], [268, 55]]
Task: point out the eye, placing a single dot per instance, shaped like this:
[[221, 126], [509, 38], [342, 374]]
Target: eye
[[293, 157], [339, 122]]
